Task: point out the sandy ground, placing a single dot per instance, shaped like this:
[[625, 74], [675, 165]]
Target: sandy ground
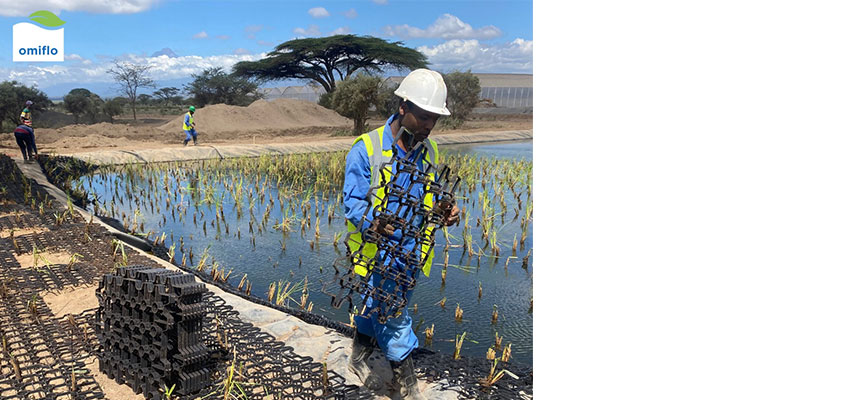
[[75, 300], [279, 121]]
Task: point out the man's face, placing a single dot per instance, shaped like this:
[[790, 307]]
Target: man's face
[[418, 121]]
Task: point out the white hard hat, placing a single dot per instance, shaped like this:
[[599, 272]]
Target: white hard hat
[[426, 89]]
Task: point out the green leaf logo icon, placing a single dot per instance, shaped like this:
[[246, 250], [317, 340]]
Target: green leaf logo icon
[[46, 18]]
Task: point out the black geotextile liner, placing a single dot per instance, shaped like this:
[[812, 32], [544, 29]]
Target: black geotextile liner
[[463, 376], [15, 188], [62, 170]]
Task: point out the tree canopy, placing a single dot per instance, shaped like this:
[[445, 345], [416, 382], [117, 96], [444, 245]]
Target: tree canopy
[[130, 78], [463, 90], [13, 95], [214, 86], [113, 107], [83, 103], [328, 60], [355, 96], [144, 99], [167, 94]]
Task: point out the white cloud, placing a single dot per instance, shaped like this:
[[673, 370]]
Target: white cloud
[[251, 31], [25, 8], [241, 51], [314, 31], [340, 31], [222, 37], [200, 35], [265, 43], [74, 57], [381, 2], [511, 57], [162, 68], [318, 12], [350, 14], [447, 26]]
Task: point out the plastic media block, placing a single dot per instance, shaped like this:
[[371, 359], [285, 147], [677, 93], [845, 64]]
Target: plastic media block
[[150, 325]]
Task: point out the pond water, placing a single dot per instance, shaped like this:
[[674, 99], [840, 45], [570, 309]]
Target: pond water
[[258, 218]]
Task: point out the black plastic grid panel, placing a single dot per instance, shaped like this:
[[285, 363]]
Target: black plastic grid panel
[[398, 207]]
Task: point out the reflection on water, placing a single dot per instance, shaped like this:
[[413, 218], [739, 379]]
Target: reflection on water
[[520, 149]]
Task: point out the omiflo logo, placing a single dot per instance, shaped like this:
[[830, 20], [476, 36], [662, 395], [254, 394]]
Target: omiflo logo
[[33, 43]]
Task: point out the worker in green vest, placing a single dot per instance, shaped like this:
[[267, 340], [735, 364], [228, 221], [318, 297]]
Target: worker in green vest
[[26, 114], [423, 101]]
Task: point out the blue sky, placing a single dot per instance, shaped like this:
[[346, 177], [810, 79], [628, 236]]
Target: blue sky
[[179, 38]]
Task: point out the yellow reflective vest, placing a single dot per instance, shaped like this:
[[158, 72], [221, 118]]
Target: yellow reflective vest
[[377, 157], [191, 122], [26, 117]]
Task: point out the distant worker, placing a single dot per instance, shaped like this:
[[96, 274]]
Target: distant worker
[[423, 101], [26, 141], [189, 127], [26, 114]]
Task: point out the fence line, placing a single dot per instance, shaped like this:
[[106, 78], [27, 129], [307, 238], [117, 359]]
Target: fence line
[[501, 96]]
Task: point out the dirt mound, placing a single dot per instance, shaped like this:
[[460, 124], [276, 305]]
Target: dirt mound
[[103, 129], [261, 116]]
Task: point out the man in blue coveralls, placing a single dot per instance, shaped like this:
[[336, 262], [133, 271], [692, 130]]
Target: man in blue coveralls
[[189, 127], [423, 101]]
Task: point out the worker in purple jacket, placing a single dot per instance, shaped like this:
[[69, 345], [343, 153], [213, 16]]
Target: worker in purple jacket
[[25, 137]]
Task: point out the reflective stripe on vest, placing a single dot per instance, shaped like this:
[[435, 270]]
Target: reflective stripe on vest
[[191, 122], [373, 141]]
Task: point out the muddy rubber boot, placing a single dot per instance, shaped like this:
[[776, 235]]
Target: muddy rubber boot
[[404, 376], [185, 142], [194, 141], [361, 349]]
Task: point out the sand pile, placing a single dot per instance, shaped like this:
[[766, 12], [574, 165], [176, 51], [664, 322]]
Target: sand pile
[[71, 133], [261, 116]]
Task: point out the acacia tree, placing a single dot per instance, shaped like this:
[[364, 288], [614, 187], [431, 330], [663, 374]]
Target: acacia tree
[[331, 59], [214, 86], [82, 102], [130, 78], [113, 107], [13, 95], [167, 94], [144, 99]]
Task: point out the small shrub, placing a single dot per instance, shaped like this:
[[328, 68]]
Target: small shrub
[[450, 122], [354, 96], [387, 100], [463, 90], [325, 100]]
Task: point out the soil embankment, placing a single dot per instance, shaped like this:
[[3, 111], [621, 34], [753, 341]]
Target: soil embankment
[[269, 117], [263, 122]]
